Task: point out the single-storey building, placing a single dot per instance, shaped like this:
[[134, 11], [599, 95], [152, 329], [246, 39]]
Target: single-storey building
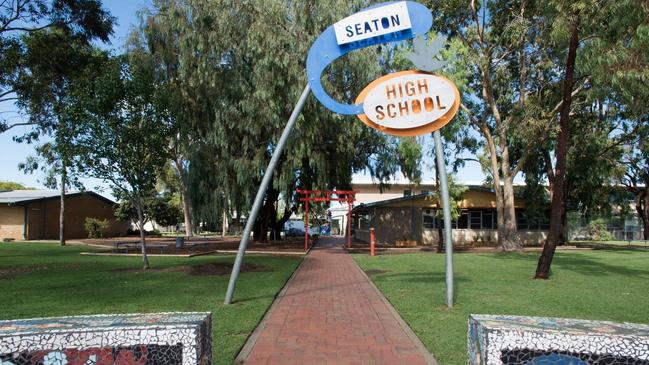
[[414, 218], [34, 214]]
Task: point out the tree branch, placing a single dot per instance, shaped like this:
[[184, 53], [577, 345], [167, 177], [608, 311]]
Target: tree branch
[[17, 125]]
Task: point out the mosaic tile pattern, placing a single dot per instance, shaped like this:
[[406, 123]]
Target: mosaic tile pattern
[[513, 340], [124, 339]]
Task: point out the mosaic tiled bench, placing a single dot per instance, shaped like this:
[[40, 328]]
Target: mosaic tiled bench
[[123, 339], [513, 340]]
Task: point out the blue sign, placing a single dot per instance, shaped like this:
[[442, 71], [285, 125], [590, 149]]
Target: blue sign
[[383, 23]]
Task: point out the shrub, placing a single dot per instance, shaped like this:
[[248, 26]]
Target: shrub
[[96, 227], [597, 230]]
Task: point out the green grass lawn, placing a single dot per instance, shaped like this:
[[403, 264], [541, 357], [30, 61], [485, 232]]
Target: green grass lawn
[[602, 285], [42, 280], [612, 244]]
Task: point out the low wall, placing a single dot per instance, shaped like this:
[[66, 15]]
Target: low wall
[[151, 339], [362, 235], [513, 340], [482, 237]]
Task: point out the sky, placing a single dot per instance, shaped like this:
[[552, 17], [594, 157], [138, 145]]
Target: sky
[[12, 153]]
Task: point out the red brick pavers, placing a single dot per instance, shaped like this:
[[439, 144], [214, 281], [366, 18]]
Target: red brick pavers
[[330, 313]]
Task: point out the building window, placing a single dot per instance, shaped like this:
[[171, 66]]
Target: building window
[[429, 221], [475, 219], [407, 192], [468, 219], [545, 221], [521, 220], [463, 220], [487, 219]]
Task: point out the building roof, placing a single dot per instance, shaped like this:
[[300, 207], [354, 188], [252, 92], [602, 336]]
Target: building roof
[[400, 180], [364, 206], [18, 197], [379, 203]]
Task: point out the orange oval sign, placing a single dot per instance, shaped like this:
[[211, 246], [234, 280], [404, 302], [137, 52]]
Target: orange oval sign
[[409, 103]]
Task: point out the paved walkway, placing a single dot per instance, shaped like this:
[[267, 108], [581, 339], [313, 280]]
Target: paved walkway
[[330, 313]]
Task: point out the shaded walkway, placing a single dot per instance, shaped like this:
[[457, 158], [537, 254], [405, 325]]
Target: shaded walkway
[[330, 312]]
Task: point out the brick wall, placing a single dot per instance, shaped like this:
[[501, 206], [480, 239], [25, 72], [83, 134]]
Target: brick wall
[[43, 218], [11, 222], [483, 237], [392, 224], [395, 223]]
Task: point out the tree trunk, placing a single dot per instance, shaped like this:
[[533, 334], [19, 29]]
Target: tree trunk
[[558, 196], [140, 218], [267, 211], [256, 229], [189, 227], [642, 207], [224, 224], [64, 181], [263, 231], [510, 240], [277, 226], [440, 235], [562, 231], [495, 170]]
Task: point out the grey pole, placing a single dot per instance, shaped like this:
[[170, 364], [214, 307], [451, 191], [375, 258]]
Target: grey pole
[[439, 151], [262, 191]]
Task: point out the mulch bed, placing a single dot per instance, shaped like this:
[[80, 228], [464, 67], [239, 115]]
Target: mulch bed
[[197, 245], [204, 269], [373, 272]]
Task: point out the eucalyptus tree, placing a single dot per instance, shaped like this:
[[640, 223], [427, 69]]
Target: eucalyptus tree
[[502, 70], [124, 142], [58, 61], [82, 20], [520, 62], [620, 62], [243, 64], [636, 174], [44, 46], [597, 33], [155, 42]]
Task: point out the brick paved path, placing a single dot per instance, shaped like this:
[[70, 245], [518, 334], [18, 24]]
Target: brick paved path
[[331, 313]]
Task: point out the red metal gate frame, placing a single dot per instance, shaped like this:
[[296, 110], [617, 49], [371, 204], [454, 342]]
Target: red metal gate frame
[[348, 196]]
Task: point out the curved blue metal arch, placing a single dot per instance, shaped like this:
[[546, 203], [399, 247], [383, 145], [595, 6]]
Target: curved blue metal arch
[[325, 50]]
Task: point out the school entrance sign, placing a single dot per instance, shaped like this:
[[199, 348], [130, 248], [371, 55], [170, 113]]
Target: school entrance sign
[[409, 103], [406, 103], [384, 23]]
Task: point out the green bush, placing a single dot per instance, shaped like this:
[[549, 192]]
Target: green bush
[[597, 230], [96, 227]]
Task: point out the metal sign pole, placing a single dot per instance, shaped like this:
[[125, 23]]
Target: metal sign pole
[[259, 198], [447, 217]]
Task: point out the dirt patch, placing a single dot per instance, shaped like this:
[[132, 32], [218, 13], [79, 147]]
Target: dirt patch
[[193, 246], [223, 269], [204, 269], [375, 272]]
